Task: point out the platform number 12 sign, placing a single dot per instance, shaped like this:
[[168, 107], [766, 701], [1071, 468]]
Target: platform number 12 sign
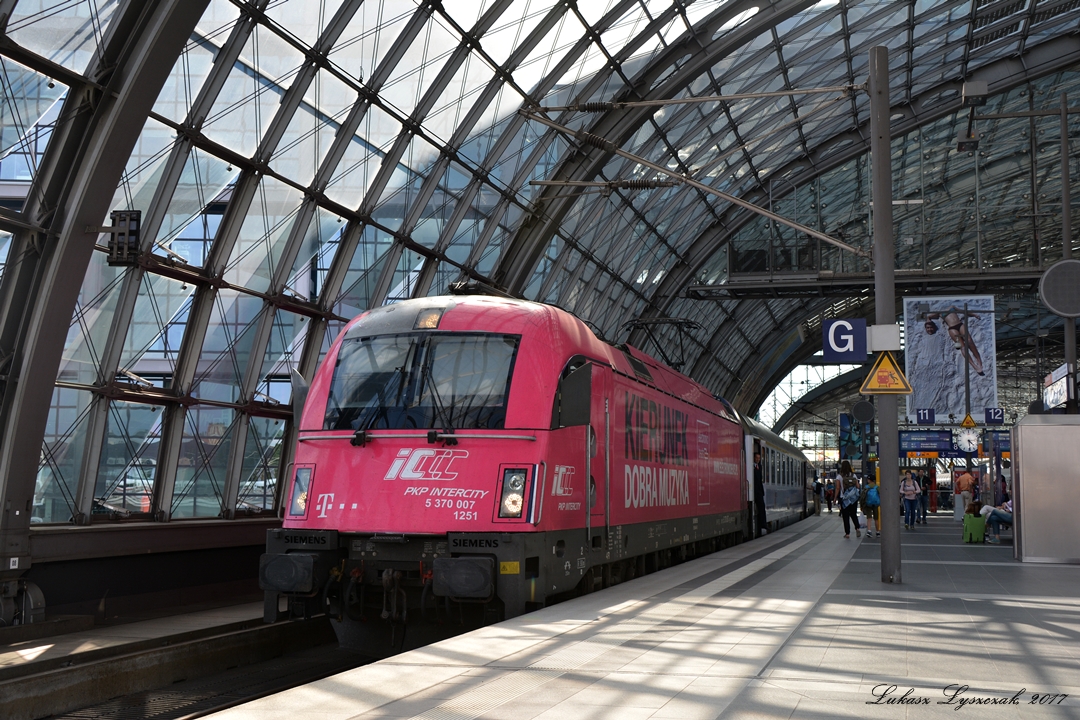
[[995, 416]]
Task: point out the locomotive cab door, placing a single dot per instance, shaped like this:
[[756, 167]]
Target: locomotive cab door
[[599, 460]]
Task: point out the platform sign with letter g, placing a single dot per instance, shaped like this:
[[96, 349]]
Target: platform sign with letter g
[[844, 340]]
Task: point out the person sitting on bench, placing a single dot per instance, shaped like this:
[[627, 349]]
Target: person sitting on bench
[[1001, 515]]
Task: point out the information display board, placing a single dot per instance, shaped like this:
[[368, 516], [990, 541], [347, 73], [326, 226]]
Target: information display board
[[917, 440], [1002, 440]]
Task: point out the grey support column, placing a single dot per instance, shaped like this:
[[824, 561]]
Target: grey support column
[[885, 306]]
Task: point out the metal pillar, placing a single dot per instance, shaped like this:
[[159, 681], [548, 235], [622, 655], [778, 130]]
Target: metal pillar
[[885, 305], [1066, 253], [967, 381]]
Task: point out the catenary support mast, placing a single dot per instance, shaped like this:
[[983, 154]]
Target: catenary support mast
[[885, 304]]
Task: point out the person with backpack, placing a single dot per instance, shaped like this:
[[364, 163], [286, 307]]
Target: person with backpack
[[830, 493], [848, 489], [870, 501], [910, 491]]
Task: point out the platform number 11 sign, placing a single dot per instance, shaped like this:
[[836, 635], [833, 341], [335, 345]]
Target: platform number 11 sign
[[924, 416]]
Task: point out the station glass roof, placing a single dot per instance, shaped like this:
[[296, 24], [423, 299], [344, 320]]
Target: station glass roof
[[308, 160]]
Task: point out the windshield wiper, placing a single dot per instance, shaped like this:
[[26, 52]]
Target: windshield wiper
[[436, 401]]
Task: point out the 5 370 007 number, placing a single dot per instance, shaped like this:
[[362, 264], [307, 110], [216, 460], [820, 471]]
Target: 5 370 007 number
[[449, 504]]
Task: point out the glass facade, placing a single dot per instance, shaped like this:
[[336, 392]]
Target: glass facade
[[306, 161]]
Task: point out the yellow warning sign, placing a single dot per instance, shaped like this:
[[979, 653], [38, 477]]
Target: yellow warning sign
[[510, 568], [968, 422], [885, 378]]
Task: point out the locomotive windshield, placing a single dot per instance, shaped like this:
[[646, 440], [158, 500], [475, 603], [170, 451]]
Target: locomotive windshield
[[421, 380]]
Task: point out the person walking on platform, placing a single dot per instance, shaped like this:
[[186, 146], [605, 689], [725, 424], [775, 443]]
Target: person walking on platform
[[848, 489], [965, 487], [870, 500], [830, 493], [924, 495], [909, 489], [759, 496]]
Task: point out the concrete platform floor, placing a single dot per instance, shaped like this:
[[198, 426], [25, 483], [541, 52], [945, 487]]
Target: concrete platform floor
[[793, 625]]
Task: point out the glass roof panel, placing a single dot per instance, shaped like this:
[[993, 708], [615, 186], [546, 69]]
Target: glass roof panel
[[227, 347], [253, 91], [369, 36], [128, 465], [449, 110], [304, 20], [262, 464], [317, 249], [187, 76], [419, 66], [61, 455], [29, 106], [313, 128], [547, 52], [144, 168], [366, 265], [268, 222], [92, 321], [157, 325], [189, 225], [217, 21], [512, 28], [204, 459], [363, 155], [68, 32]]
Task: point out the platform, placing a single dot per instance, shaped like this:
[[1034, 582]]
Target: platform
[[794, 625]]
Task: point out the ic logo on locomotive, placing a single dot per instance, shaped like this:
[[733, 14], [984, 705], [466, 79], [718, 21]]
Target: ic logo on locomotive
[[562, 485], [424, 464]]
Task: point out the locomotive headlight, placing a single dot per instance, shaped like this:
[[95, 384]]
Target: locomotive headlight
[[298, 500], [512, 498], [512, 505], [516, 482]]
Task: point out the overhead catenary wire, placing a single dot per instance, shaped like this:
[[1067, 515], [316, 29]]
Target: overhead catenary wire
[[610, 147], [623, 105]]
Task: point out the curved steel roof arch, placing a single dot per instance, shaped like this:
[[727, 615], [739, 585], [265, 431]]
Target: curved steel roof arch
[[1003, 75], [524, 250]]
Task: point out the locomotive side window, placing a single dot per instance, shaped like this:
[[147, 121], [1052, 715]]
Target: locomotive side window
[[422, 380]]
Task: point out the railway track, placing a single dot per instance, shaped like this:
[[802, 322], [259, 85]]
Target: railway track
[[197, 698]]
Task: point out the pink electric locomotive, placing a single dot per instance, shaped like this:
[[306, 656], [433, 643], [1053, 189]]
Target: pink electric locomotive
[[465, 459]]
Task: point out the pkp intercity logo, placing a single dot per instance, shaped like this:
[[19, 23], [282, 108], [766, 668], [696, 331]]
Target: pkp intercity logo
[[562, 485], [424, 464]]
